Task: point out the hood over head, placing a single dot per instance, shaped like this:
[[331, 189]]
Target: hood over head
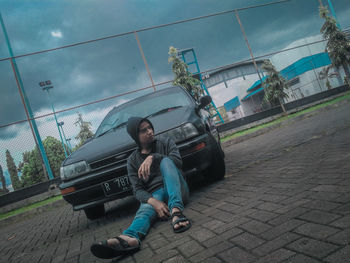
[[133, 125]]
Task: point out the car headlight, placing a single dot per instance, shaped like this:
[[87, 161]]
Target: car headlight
[[74, 170], [182, 133]]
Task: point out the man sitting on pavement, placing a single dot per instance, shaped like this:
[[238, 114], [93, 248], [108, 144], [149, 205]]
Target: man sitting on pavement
[[154, 172]]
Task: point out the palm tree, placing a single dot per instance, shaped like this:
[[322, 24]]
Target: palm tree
[[183, 77], [274, 84], [338, 46], [325, 74]]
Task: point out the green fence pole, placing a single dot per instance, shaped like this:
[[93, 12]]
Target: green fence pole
[[26, 103]]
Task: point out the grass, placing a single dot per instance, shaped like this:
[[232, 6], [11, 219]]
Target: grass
[[283, 118], [30, 207]]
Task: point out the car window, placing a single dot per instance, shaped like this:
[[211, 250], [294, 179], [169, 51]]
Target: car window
[[143, 107]]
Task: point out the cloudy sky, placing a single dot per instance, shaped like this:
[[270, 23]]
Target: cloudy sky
[[97, 70]]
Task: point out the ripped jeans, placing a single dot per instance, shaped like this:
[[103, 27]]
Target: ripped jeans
[[175, 192]]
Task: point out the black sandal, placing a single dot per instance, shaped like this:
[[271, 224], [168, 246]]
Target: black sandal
[[103, 250], [182, 218]]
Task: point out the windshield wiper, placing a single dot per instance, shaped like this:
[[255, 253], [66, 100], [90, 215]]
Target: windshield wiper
[[163, 111], [119, 125], [112, 128]]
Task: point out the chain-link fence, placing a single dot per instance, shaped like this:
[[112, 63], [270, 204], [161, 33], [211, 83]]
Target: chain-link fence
[[56, 93]]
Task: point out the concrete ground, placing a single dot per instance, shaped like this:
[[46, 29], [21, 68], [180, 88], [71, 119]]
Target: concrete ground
[[285, 198]]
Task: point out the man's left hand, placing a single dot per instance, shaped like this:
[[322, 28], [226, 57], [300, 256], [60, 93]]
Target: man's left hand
[[145, 168]]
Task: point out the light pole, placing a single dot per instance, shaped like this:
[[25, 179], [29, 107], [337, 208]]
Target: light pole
[[60, 124], [46, 85], [333, 13]]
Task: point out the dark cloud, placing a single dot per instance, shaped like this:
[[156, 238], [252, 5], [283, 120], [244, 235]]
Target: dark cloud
[[97, 70]]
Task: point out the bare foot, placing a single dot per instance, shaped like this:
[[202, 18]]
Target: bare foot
[[131, 241], [180, 224]]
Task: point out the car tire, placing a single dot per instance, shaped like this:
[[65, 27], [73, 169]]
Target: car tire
[[95, 212], [217, 169], [220, 147]]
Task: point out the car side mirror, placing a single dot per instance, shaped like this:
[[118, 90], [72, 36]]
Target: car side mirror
[[204, 101]]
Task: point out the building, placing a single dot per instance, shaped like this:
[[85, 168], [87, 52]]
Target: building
[[237, 90], [229, 85]]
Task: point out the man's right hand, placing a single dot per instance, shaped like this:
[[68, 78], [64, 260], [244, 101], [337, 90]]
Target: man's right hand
[[160, 207]]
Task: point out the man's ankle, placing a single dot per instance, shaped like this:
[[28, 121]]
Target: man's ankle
[[130, 240], [175, 209]]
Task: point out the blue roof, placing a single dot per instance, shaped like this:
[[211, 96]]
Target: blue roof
[[231, 104], [299, 67], [256, 84], [252, 93], [306, 64]]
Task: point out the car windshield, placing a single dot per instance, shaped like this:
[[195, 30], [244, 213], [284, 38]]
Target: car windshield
[[143, 107]]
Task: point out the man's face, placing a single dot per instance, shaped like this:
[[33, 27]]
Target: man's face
[[146, 134]]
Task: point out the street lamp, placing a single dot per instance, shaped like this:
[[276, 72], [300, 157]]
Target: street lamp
[[46, 85], [60, 124]]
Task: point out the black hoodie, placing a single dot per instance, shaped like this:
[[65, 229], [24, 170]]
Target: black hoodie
[[161, 148], [133, 126]]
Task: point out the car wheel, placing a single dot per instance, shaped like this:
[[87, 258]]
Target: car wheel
[[95, 212], [217, 170], [220, 147]]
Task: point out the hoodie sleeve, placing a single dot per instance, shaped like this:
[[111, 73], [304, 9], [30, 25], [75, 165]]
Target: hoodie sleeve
[[137, 185], [171, 151]]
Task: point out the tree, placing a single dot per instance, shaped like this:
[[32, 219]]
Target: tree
[[85, 131], [274, 84], [325, 74], [338, 46], [11, 167], [183, 77], [3, 181], [31, 166], [55, 154]]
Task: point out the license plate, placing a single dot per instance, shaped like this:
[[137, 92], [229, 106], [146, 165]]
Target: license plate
[[117, 185]]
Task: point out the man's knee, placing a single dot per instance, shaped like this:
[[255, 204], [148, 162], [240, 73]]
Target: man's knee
[[166, 161]]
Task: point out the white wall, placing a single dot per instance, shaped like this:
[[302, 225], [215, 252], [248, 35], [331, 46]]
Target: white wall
[[235, 87]]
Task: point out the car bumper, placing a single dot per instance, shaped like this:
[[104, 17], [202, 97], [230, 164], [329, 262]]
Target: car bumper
[[197, 154], [87, 191]]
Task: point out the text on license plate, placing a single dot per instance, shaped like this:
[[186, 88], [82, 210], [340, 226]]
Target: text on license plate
[[117, 185]]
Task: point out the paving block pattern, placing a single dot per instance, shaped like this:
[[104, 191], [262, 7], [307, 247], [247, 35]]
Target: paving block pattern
[[285, 198]]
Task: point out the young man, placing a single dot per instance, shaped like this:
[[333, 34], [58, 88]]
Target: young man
[[154, 172]]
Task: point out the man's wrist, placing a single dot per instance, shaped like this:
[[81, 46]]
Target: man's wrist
[[151, 200]]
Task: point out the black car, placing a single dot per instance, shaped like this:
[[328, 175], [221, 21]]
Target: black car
[[96, 172]]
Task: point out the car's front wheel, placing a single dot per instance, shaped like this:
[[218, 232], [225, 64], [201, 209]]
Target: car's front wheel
[[95, 212], [217, 169]]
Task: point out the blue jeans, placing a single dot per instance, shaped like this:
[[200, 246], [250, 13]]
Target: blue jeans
[[175, 192]]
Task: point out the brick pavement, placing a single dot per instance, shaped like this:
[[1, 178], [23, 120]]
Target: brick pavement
[[285, 198]]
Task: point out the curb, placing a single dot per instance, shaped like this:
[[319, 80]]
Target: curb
[[25, 215], [261, 131]]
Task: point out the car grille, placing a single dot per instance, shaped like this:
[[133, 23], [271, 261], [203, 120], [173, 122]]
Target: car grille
[[117, 159]]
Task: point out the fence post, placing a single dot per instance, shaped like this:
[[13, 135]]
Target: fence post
[[144, 60], [26, 105]]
